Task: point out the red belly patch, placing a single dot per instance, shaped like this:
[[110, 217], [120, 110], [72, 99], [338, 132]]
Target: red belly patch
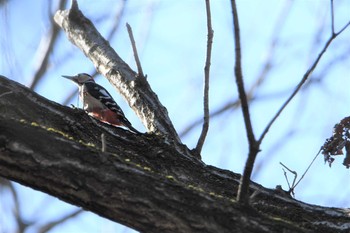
[[107, 116]]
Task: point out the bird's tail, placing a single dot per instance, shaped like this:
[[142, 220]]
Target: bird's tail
[[130, 127]]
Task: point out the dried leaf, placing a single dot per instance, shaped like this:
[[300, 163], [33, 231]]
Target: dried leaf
[[334, 145]]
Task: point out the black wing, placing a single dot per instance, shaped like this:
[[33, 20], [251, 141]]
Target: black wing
[[100, 93]]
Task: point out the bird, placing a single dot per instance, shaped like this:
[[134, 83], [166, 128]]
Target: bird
[[98, 103]]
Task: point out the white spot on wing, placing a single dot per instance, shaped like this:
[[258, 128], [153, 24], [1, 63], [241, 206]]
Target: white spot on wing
[[104, 92]]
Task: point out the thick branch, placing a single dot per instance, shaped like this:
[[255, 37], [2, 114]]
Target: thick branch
[[141, 181], [137, 92]]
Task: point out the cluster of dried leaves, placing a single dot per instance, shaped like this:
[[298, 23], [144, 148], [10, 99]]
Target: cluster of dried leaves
[[335, 144]]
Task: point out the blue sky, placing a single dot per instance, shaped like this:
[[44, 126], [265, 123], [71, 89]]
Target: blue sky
[[171, 38]]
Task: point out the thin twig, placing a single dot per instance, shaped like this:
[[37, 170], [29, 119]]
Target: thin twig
[[341, 30], [254, 146], [303, 80], [227, 106], [285, 176], [291, 187], [103, 142], [230, 106], [117, 19], [50, 225], [239, 76], [17, 210], [332, 17], [242, 195], [45, 48], [205, 127], [271, 49], [307, 169], [133, 44], [261, 77], [291, 171]]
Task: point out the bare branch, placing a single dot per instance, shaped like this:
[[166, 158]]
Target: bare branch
[[332, 16], [227, 106], [307, 169], [307, 74], [261, 77], [239, 76], [103, 142], [302, 81], [286, 177], [205, 127], [136, 92], [118, 15], [269, 59], [341, 30], [134, 49], [242, 195], [142, 183], [44, 50], [291, 187], [48, 226]]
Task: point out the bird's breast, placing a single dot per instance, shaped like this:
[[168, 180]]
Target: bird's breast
[[90, 104]]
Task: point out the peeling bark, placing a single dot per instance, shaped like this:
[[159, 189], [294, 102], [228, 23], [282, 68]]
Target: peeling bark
[[142, 181]]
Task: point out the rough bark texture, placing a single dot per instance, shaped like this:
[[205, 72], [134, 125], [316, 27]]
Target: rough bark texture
[[142, 181]]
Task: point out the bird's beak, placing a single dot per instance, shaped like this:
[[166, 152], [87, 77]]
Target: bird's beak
[[72, 78]]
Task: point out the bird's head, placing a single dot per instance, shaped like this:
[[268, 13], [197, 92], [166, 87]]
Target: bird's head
[[80, 79]]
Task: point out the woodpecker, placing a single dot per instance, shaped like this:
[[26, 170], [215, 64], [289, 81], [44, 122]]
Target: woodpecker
[[98, 103]]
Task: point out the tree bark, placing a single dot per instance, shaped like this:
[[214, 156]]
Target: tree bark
[[141, 181]]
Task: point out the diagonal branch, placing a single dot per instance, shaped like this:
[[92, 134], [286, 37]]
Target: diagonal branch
[[45, 48], [117, 19], [142, 182], [205, 127], [303, 80], [137, 92], [48, 226]]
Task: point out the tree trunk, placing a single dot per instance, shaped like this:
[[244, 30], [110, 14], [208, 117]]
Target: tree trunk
[[141, 181]]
